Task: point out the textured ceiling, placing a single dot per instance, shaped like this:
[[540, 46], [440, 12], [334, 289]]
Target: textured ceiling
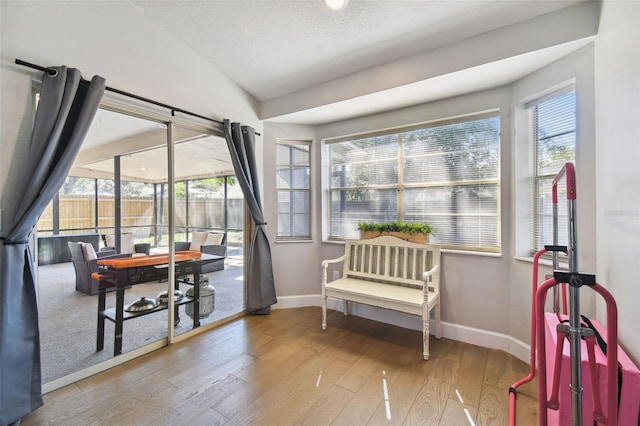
[[273, 48]]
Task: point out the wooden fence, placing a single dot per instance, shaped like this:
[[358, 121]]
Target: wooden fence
[[78, 212]]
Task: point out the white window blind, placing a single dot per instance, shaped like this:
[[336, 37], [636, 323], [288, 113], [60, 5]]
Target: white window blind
[[553, 136], [445, 174], [293, 188]]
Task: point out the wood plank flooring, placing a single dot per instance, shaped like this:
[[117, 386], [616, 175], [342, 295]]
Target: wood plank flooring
[[282, 369]]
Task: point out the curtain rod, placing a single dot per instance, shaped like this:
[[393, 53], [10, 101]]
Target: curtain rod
[[173, 109]]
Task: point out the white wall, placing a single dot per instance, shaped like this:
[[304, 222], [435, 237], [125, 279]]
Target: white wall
[[114, 40], [617, 71]]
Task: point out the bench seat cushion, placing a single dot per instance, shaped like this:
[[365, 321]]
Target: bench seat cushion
[[384, 295]]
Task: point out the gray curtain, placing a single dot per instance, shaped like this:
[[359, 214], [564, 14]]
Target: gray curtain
[[261, 292], [65, 112]]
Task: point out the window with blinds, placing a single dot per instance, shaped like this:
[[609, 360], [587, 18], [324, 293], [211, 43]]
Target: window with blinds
[[553, 137], [446, 174], [293, 189]]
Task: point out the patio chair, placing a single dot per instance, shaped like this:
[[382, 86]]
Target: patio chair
[[85, 262]]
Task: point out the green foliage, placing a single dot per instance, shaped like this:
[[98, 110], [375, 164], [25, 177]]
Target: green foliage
[[397, 226]]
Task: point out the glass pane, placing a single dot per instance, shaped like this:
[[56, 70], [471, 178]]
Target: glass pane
[[73, 210], [206, 203], [544, 221], [293, 184], [204, 181], [293, 177], [448, 174], [140, 173], [68, 296], [295, 202], [556, 116], [362, 150], [364, 174], [463, 199], [555, 143], [106, 205], [235, 205], [554, 152], [288, 154], [469, 232], [350, 207], [458, 152], [465, 215], [293, 214]]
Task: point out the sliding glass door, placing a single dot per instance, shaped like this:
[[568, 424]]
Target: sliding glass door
[[117, 205]]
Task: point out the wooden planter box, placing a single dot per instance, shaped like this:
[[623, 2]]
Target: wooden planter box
[[414, 238]]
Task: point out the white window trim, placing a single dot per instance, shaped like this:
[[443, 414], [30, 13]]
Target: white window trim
[[293, 239]]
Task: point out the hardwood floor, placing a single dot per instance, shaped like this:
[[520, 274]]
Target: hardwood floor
[[282, 369]]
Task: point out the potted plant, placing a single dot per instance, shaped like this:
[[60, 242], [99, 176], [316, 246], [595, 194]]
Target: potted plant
[[408, 231]]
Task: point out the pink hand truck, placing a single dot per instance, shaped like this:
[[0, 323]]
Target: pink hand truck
[[609, 373]]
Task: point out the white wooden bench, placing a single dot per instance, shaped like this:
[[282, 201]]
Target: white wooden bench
[[390, 273]]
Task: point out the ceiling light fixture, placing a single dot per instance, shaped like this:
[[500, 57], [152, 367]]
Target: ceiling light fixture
[[336, 4]]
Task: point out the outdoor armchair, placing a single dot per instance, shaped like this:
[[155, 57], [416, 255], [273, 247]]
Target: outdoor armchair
[[85, 262]]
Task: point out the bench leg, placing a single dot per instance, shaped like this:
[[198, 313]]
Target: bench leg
[[346, 308], [324, 313], [436, 315], [425, 336]]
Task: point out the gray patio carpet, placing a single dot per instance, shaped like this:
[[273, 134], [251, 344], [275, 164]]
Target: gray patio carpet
[[68, 319]]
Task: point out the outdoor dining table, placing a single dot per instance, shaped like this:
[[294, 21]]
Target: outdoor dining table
[[121, 273]]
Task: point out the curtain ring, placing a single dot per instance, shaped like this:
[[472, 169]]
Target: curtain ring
[[52, 72]]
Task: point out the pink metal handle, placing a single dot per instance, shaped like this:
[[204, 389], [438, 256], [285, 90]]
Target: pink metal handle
[[570, 170]]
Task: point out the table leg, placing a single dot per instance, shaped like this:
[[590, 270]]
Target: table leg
[[176, 313], [117, 339], [196, 296], [102, 295]]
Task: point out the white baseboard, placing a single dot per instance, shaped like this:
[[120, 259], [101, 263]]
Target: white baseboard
[[462, 333]]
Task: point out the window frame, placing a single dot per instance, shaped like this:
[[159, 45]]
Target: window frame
[[401, 186], [280, 190], [535, 237]]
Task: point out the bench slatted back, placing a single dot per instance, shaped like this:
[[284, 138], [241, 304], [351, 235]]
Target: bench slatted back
[[389, 259]]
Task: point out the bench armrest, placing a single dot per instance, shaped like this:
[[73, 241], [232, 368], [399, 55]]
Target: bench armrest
[[325, 265], [429, 274], [428, 277]]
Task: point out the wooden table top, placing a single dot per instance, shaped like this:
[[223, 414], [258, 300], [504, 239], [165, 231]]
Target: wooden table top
[[153, 259]]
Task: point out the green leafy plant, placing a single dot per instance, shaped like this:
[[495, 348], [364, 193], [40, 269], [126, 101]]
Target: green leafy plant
[[397, 226]]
